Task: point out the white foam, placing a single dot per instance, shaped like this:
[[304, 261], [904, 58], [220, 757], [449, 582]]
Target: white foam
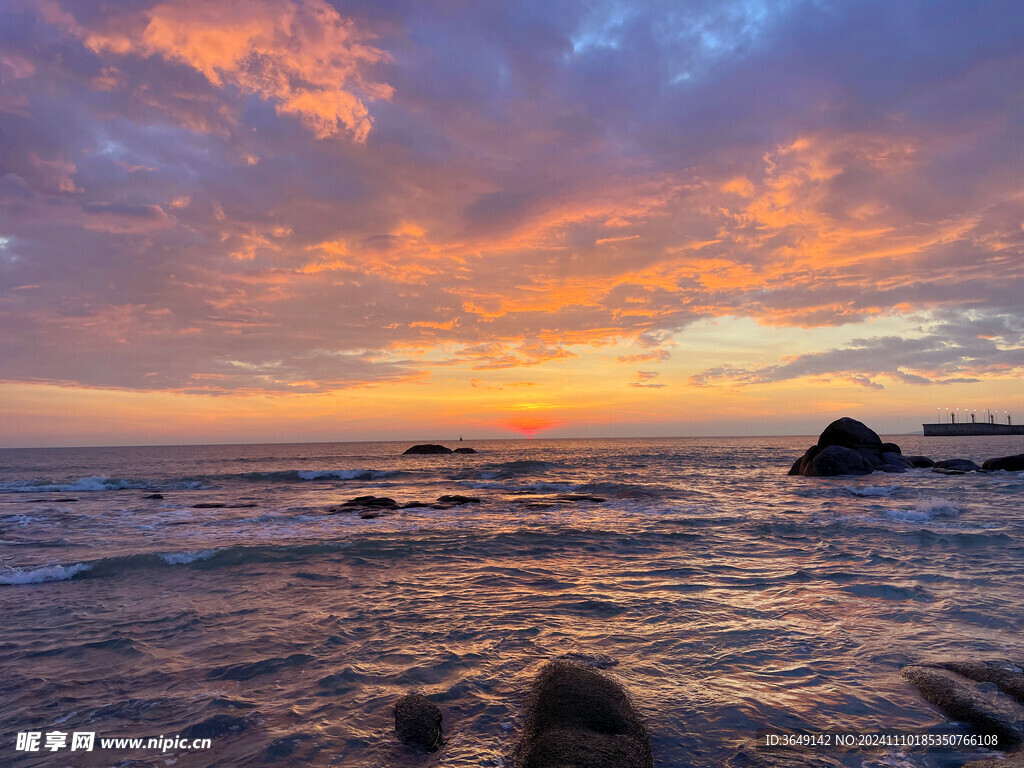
[[184, 558], [931, 508], [872, 490], [43, 574]]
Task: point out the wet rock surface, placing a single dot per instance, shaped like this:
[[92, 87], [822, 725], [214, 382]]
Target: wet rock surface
[[464, 450], [578, 716], [974, 693], [418, 722]]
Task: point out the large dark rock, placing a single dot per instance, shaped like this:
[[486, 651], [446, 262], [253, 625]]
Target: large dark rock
[[836, 460], [418, 722], [848, 447], [850, 433], [427, 448], [579, 717], [920, 461], [464, 450], [1005, 463]]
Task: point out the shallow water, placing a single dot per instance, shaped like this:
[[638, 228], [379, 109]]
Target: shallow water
[[731, 597]]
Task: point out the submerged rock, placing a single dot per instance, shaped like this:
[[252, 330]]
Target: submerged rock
[[418, 722], [577, 716], [362, 503], [456, 499], [464, 450], [1005, 463], [960, 465], [209, 505], [154, 496], [428, 448]]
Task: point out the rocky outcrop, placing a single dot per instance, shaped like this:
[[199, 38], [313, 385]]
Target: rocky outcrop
[[963, 692], [578, 716], [1005, 463], [920, 461], [427, 448], [418, 722], [464, 450], [848, 447]]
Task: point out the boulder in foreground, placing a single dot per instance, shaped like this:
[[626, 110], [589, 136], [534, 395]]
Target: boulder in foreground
[[849, 447], [959, 690], [418, 722], [427, 448], [577, 716]]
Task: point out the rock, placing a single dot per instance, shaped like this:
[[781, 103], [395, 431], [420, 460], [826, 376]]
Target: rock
[[1008, 678], [412, 504], [209, 505], [464, 450], [920, 461], [961, 699], [836, 460], [154, 496], [578, 716], [418, 722], [963, 465], [373, 502], [850, 433], [580, 497], [428, 448], [1005, 463], [456, 499], [848, 447]]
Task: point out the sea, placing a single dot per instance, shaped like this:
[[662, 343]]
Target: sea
[[226, 592]]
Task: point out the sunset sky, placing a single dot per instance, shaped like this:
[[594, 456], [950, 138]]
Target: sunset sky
[[286, 220]]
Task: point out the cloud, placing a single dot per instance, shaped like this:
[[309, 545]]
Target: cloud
[[956, 355], [280, 195], [645, 379], [300, 55]]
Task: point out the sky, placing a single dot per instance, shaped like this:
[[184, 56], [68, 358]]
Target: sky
[[288, 220]]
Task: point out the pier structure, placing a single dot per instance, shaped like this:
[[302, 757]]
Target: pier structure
[[971, 421]]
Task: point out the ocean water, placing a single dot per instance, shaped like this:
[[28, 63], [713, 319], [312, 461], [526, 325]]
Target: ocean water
[[725, 595]]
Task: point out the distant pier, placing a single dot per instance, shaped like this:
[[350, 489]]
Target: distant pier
[[971, 428]]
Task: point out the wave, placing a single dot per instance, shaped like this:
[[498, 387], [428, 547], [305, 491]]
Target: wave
[[46, 573], [300, 475], [932, 508], [97, 483], [206, 558]]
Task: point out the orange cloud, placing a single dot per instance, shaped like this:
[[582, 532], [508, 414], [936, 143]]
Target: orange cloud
[[300, 55]]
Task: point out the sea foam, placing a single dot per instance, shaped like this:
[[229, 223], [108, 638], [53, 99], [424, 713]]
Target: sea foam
[[43, 574]]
